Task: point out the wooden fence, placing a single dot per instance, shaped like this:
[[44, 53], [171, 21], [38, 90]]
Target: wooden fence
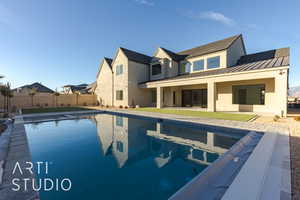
[[50, 100]]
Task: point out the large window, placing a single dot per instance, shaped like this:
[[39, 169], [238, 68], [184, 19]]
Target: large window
[[119, 94], [153, 96], [120, 146], [119, 69], [156, 69], [119, 121], [213, 62], [198, 65], [249, 94], [185, 67]]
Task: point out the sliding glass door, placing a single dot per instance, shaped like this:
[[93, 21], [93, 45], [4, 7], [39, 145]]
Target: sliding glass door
[[196, 97]]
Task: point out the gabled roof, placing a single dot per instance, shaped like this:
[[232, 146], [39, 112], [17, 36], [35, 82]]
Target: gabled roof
[[109, 61], [38, 86], [210, 47], [135, 56], [258, 61], [174, 56]]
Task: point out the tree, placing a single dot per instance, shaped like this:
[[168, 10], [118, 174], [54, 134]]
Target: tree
[[3, 93], [32, 92], [6, 92], [77, 95], [56, 94]]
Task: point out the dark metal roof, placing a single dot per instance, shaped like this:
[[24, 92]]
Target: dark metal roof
[[135, 56], [281, 58], [210, 47], [38, 86], [265, 55]]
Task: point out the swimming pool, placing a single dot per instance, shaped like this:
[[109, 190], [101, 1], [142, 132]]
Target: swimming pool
[[109, 156]]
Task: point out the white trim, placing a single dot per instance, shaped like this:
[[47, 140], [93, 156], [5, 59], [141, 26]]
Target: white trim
[[155, 83]]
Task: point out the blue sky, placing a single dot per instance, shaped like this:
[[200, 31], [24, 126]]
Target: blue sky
[[60, 42]]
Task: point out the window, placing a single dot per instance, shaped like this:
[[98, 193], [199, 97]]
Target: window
[[156, 69], [119, 121], [120, 146], [248, 94], [119, 94], [213, 62], [198, 65], [174, 98], [119, 69], [185, 67], [153, 96]]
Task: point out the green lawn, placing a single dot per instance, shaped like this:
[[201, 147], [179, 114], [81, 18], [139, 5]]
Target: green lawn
[[47, 110], [215, 115]]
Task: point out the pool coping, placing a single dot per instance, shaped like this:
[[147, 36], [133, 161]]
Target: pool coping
[[17, 150], [272, 178]]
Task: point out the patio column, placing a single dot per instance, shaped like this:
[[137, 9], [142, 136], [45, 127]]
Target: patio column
[[281, 89], [159, 97], [211, 96]]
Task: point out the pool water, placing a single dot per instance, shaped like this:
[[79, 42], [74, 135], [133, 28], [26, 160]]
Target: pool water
[[116, 157]]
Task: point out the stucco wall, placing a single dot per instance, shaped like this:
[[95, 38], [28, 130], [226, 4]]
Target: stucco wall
[[138, 73], [169, 67], [223, 60], [224, 101], [104, 90]]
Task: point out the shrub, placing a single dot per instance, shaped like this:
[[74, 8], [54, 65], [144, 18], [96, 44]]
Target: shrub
[[46, 104], [120, 106], [69, 105], [61, 104], [297, 118], [276, 118], [126, 107], [107, 106]]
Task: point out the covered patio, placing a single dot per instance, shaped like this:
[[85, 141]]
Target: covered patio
[[263, 92]]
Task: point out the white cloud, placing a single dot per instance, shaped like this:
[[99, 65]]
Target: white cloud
[[145, 2], [214, 16]]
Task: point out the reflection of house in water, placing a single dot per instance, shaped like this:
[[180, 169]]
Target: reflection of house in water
[[131, 140], [113, 132], [203, 146]]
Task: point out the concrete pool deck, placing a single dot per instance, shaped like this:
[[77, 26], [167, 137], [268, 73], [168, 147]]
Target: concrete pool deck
[[265, 175]]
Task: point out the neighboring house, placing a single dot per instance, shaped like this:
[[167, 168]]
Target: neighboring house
[[91, 88], [218, 76], [81, 89], [26, 89]]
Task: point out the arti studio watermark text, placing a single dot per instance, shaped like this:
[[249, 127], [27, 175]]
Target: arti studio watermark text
[[38, 184]]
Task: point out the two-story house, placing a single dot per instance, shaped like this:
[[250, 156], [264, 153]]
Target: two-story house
[[219, 76]]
